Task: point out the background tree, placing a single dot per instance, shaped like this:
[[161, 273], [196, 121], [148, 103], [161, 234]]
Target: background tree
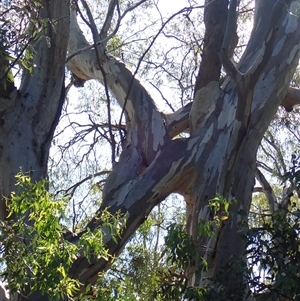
[[205, 150]]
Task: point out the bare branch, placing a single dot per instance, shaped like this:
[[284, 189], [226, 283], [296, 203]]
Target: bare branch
[[267, 189], [270, 34], [215, 15], [178, 122], [71, 190], [107, 23]]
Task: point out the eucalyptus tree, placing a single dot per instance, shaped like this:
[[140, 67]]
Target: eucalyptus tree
[[222, 126]]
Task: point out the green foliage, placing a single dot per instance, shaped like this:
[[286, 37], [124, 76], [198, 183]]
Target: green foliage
[[38, 257], [35, 253], [220, 207], [114, 46], [183, 252], [293, 175], [274, 249], [143, 269], [181, 246], [21, 28]]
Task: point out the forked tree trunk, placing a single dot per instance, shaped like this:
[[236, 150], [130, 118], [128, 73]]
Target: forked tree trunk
[[226, 156], [226, 125]]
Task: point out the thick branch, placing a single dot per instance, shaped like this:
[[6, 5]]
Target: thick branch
[[145, 127], [107, 23], [215, 15], [291, 99], [178, 121], [136, 198]]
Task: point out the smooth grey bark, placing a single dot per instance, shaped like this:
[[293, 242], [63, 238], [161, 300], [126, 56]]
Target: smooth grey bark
[[28, 120], [226, 125], [28, 123], [266, 68]]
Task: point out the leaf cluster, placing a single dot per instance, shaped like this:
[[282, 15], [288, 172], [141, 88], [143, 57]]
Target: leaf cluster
[[35, 253], [274, 249], [293, 175]]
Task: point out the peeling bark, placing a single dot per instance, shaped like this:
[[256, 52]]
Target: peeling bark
[[218, 158], [226, 125], [27, 125], [230, 152]]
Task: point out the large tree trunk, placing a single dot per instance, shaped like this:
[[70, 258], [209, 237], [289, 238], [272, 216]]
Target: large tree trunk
[[235, 123], [28, 122], [226, 125], [29, 119]]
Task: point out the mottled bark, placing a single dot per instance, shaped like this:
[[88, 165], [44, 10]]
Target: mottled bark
[[28, 123], [28, 120], [237, 121], [215, 17], [226, 125]]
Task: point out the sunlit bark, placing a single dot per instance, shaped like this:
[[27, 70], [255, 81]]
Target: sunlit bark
[[226, 128], [30, 116], [226, 125]]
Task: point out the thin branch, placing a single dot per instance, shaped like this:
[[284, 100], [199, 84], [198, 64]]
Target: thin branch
[[163, 97], [71, 190], [147, 50], [95, 38], [267, 189], [279, 155], [107, 38]]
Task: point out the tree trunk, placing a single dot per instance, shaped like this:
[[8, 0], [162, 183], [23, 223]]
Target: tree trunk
[[226, 125], [28, 121], [227, 153]]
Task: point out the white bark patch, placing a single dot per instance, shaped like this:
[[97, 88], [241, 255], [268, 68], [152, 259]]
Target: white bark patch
[[121, 194], [228, 110], [76, 37], [293, 54], [168, 180], [208, 134], [216, 159], [291, 20], [279, 46], [197, 147], [204, 103], [259, 57], [112, 67], [264, 89]]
